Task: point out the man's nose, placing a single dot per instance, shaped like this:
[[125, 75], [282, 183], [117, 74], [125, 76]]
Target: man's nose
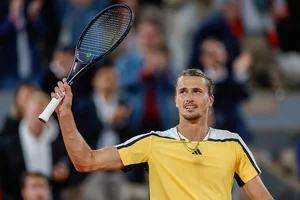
[[189, 98]]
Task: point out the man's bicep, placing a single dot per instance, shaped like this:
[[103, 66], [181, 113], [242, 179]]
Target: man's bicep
[[255, 189], [136, 150], [106, 159]]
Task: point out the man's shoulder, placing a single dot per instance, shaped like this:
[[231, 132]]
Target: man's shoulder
[[215, 134], [168, 134], [222, 135]]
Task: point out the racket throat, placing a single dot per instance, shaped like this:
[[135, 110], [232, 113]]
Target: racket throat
[[73, 71]]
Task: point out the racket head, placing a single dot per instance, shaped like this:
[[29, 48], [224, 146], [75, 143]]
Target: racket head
[[104, 33]]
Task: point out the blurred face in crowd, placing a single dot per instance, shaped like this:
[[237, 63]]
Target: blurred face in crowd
[[150, 36], [105, 80], [192, 97], [35, 106], [21, 99], [36, 188], [62, 62], [213, 53]]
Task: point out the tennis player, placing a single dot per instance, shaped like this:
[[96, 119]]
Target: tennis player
[[189, 161]]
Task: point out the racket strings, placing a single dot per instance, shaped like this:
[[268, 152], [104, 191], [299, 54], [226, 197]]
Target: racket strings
[[104, 33]]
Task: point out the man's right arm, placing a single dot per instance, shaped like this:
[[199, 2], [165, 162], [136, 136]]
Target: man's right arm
[[83, 157]]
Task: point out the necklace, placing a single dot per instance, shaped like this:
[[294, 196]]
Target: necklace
[[185, 143]]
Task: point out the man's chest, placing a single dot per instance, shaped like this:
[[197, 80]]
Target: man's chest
[[215, 159]]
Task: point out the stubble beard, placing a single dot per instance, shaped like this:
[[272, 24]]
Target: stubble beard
[[191, 117]]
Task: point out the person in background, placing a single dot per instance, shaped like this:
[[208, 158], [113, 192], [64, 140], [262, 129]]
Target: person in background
[[113, 114], [146, 76], [35, 186], [60, 67], [225, 24], [22, 93], [22, 28], [34, 147], [231, 88]]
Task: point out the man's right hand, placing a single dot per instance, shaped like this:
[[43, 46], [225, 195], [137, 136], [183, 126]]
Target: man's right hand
[[63, 90]]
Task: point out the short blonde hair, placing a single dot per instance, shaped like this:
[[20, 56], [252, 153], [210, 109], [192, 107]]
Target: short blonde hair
[[197, 72]]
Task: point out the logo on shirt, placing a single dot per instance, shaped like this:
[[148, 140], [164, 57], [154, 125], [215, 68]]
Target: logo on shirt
[[197, 152]]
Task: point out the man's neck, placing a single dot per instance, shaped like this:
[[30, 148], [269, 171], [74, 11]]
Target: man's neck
[[193, 131]]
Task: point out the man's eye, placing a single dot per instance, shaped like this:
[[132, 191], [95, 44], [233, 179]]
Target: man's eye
[[182, 92]]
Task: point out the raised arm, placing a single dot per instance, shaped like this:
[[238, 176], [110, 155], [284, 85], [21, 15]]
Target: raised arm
[[83, 157], [256, 190]]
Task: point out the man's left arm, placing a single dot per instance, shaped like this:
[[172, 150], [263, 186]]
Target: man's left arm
[[247, 173], [256, 190]]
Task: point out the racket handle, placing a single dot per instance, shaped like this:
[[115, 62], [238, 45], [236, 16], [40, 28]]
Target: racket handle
[[46, 114]]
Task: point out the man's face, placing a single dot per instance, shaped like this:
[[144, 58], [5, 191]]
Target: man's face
[[36, 188], [192, 98]]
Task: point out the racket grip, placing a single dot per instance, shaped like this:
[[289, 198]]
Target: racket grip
[[46, 114]]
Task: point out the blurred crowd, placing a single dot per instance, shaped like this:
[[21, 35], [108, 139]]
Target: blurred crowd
[[240, 44]]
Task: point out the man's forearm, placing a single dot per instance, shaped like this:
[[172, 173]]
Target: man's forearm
[[78, 150]]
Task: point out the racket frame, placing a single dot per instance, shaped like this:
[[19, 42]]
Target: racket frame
[[73, 75]]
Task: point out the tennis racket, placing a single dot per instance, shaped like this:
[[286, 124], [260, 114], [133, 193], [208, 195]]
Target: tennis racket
[[100, 37]]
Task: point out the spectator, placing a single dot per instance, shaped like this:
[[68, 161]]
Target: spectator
[[22, 93], [146, 76], [224, 25], [60, 67], [113, 115], [21, 30], [35, 186], [230, 88], [35, 147]]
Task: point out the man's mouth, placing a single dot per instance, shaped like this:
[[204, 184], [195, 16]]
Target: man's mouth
[[190, 107]]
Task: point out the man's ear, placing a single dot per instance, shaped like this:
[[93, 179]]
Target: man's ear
[[175, 101], [211, 100]]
